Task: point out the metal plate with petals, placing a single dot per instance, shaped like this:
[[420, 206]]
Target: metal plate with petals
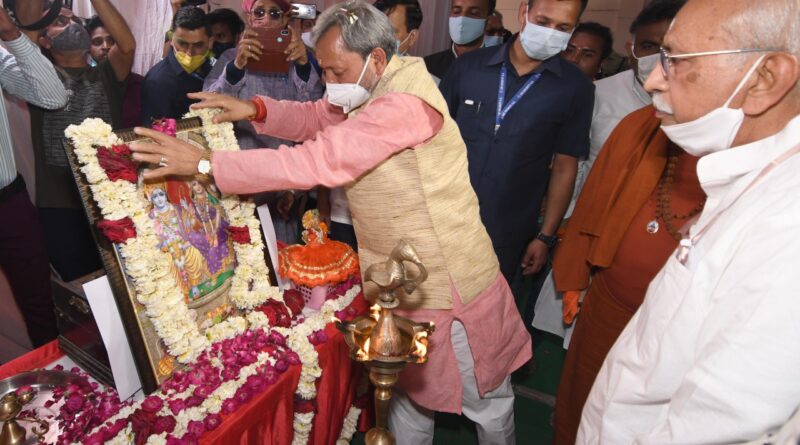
[[23, 415]]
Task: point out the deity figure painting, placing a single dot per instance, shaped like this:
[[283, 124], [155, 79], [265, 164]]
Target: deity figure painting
[[191, 225]]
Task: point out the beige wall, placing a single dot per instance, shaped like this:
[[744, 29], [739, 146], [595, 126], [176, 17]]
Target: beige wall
[[616, 14]]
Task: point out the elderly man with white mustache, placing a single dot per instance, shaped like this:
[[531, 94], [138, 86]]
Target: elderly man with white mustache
[[712, 354]]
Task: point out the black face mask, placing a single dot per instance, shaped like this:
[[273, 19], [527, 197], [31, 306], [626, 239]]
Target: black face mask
[[218, 48], [73, 38]]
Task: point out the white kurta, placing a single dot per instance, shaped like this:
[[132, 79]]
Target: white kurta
[[713, 354]]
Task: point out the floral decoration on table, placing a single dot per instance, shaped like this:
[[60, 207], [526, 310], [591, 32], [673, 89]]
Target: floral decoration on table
[[112, 175], [223, 379], [228, 363]]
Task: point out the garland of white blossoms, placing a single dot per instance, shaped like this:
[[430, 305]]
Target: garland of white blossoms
[[148, 267], [349, 426], [296, 340], [149, 270]]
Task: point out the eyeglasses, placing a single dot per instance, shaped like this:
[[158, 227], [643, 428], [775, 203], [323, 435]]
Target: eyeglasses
[[274, 13], [64, 20], [666, 57]]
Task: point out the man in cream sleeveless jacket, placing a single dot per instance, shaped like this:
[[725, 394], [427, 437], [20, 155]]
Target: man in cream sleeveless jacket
[[384, 133]]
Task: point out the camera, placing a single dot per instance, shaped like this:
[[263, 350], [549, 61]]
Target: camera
[[303, 11]]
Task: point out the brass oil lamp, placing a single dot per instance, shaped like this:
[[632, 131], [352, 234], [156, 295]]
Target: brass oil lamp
[[385, 342], [11, 406]]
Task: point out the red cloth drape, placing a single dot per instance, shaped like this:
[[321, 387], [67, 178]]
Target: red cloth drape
[[38, 358], [268, 418]]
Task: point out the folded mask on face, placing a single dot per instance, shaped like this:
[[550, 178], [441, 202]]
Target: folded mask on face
[[716, 130], [492, 40], [464, 30], [189, 63], [349, 96], [73, 38], [541, 42]]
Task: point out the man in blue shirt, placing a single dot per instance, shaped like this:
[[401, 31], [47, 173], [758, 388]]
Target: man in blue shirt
[[183, 70], [528, 142]]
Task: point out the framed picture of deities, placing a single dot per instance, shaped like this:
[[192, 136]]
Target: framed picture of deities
[[186, 263]]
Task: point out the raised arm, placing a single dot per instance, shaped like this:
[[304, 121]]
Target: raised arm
[[338, 155], [28, 13], [121, 55], [294, 121], [25, 72], [298, 121]]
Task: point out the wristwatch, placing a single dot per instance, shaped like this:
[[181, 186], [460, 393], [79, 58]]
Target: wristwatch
[[549, 240], [204, 166]]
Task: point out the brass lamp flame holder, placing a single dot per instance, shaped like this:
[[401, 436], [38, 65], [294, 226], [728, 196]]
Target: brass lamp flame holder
[[386, 342]]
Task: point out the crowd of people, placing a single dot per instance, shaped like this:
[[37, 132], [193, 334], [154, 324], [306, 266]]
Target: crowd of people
[[654, 203]]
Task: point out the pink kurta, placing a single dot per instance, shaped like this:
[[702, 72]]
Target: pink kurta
[[338, 150]]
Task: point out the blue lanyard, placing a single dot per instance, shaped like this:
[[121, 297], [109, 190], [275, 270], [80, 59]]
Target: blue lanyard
[[501, 96]]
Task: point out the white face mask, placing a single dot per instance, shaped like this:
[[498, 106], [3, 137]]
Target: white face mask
[[306, 38], [645, 66], [492, 40], [399, 43], [541, 42], [713, 132], [349, 95], [464, 30]]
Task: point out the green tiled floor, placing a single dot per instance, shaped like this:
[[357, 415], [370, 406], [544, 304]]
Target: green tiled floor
[[532, 418]]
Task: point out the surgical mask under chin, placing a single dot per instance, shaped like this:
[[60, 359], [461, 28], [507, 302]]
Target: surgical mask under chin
[[306, 38], [349, 96], [713, 132], [492, 40], [645, 66], [464, 30], [398, 43], [189, 63], [73, 38], [541, 42]]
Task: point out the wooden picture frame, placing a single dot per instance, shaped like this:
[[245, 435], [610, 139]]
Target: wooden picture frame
[[149, 356]]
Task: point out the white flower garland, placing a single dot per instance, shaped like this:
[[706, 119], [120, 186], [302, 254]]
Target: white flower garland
[[162, 298], [297, 340], [149, 268], [349, 426]]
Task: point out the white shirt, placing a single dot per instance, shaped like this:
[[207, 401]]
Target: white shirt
[[713, 353], [340, 209], [27, 74], [614, 98]]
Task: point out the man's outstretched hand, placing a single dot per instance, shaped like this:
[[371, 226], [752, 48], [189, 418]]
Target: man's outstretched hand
[[233, 109], [172, 155]]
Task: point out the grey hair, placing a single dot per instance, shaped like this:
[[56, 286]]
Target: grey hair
[[363, 27], [766, 24]]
